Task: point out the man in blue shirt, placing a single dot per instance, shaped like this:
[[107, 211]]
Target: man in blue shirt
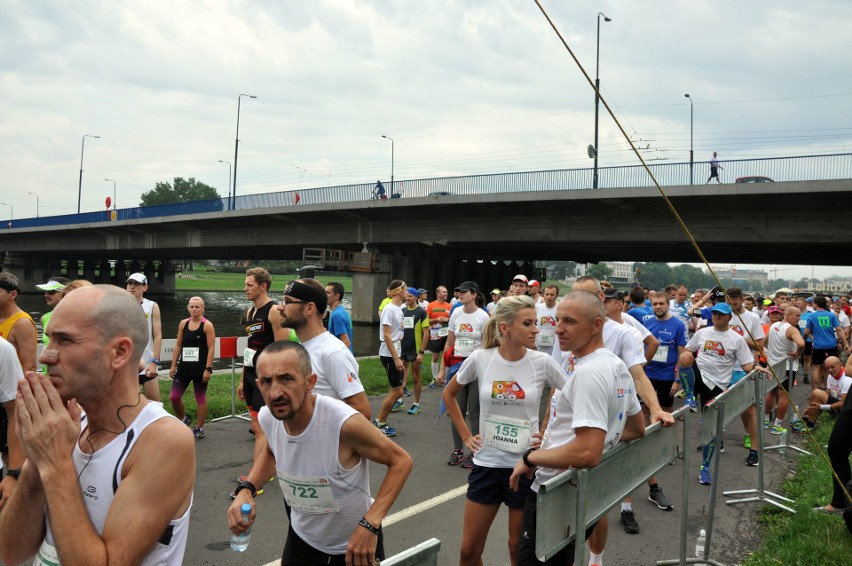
[[339, 321], [826, 331], [637, 309]]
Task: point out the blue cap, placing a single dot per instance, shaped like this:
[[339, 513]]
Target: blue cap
[[723, 308], [810, 299], [412, 291]]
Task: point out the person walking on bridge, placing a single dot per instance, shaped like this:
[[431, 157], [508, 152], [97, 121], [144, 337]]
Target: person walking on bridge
[[714, 169]]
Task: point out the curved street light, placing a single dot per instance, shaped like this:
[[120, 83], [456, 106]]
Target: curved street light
[[237, 149], [36, 196], [597, 95], [691, 161], [80, 185]]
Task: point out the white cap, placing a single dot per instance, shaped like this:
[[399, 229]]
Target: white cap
[[51, 285], [138, 278], [521, 277]]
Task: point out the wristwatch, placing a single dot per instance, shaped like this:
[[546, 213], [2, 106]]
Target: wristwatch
[[15, 473], [209, 369], [245, 484]]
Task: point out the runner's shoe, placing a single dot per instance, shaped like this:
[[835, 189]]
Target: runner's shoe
[[751, 459], [415, 409], [704, 476], [776, 430], [198, 433], [433, 384], [691, 403], [628, 519], [387, 430], [657, 496], [680, 394], [397, 406], [186, 420], [406, 392], [798, 427], [467, 462], [766, 423], [456, 458], [747, 442]]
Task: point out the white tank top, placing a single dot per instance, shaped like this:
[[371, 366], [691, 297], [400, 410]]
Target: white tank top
[[778, 347], [148, 309], [100, 476], [327, 500]]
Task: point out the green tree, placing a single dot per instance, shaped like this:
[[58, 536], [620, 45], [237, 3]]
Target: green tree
[[180, 190], [600, 271]]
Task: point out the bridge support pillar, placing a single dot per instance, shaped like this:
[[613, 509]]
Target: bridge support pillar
[[370, 289]]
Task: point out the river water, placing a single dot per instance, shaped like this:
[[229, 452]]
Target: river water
[[223, 309]]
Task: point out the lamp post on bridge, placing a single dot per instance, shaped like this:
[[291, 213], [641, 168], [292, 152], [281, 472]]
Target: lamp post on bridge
[[233, 203], [229, 178], [597, 95], [691, 161], [11, 212], [392, 144], [36, 196], [80, 186]]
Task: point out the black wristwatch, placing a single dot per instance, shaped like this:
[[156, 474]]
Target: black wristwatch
[[525, 457], [366, 524], [15, 473], [245, 484], [209, 369]]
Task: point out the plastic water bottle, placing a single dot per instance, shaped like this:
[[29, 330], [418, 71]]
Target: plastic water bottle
[[240, 542], [783, 442], [702, 541]]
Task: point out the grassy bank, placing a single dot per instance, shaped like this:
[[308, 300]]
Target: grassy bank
[[202, 279], [806, 537], [371, 373]]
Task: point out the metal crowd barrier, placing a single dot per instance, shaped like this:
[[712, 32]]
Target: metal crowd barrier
[[227, 347], [784, 442], [571, 501], [424, 554]]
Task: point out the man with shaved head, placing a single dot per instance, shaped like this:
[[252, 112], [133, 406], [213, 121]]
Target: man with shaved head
[[112, 495], [588, 419]]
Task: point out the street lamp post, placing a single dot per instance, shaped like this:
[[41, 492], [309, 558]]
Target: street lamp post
[[392, 144], [80, 186], [11, 212], [229, 178], [691, 161], [597, 95], [114, 199], [237, 150], [36, 196]]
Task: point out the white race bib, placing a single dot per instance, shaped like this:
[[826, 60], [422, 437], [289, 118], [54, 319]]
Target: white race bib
[[47, 555], [661, 355], [190, 354], [397, 344], [307, 494], [408, 322], [443, 332], [506, 433], [464, 347], [248, 358], [545, 339]]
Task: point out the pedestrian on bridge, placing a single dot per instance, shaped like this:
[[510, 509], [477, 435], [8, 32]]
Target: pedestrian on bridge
[[714, 169]]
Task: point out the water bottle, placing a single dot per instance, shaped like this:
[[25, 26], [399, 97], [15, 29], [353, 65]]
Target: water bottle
[[783, 443], [240, 542], [699, 546]]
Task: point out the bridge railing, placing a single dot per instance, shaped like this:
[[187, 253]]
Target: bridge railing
[[795, 168]]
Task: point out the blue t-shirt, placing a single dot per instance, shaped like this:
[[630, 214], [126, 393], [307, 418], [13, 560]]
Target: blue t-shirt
[[822, 325], [641, 313], [671, 333], [803, 323], [339, 323]]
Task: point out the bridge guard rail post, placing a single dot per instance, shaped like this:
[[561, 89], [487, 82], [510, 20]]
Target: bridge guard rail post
[[571, 501], [760, 494], [423, 554], [784, 443], [227, 348]]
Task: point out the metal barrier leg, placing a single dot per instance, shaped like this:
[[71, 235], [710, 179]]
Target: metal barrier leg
[[233, 415], [580, 534], [759, 494], [782, 447]]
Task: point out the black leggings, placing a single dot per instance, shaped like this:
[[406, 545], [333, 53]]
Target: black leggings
[[839, 448]]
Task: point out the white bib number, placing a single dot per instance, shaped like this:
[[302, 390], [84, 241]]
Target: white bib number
[[47, 555], [661, 355], [248, 358], [507, 434], [190, 354], [307, 494], [408, 322], [464, 347], [397, 344], [545, 339], [443, 332]]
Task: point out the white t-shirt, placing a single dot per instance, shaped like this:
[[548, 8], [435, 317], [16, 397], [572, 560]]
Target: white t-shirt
[[391, 316], [719, 354], [633, 323], [335, 366], [424, 304], [622, 341], [681, 311], [600, 394], [545, 319], [10, 371], [838, 386], [748, 320], [509, 398], [842, 318], [467, 328], [778, 346]]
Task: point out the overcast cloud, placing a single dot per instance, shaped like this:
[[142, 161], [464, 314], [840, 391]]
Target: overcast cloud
[[462, 86]]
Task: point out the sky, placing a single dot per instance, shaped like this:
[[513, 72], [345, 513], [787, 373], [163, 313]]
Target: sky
[[462, 86]]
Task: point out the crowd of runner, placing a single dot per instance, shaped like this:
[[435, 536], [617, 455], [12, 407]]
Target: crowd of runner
[[538, 380]]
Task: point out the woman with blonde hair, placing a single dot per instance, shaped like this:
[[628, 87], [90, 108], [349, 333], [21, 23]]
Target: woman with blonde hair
[[511, 378]]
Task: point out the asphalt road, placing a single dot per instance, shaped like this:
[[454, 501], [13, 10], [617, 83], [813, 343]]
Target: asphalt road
[[226, 451]]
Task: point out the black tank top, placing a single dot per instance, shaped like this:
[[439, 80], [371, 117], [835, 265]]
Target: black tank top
[[194, 347], [259, 330]]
